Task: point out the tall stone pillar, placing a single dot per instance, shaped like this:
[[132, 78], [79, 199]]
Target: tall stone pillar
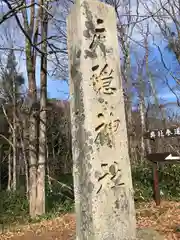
[[101, 166]]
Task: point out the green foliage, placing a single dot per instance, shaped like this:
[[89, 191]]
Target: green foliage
[[56, 209], [142, 182], [13, 206], [59, 199], [59, 195], [169, 181]]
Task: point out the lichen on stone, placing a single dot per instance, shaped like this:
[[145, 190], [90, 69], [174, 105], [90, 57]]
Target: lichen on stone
[[82, 143]]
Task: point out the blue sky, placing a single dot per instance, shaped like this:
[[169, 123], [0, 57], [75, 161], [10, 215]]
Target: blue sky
[[58, 88]]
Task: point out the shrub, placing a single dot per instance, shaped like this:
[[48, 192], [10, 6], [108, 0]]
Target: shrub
[[169, 181]]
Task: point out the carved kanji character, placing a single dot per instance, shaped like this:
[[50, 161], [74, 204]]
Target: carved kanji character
[[102, 81], [113, 173]]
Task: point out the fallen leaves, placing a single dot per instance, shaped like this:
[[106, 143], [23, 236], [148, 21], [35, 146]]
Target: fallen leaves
[[62, 227], [164, 219]]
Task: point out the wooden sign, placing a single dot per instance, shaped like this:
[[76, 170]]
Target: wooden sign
[[163, 157], [161, 133], [166, 157]]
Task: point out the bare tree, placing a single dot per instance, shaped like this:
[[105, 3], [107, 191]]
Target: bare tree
[[165, 15], [40, 208], [40, 44]]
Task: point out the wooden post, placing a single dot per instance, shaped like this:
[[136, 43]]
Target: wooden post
[[156, 184]]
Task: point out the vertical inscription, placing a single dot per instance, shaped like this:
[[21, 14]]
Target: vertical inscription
[[101, 81]]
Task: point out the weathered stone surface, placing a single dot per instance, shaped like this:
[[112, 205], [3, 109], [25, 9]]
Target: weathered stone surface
[[148, 234], [102, 176]]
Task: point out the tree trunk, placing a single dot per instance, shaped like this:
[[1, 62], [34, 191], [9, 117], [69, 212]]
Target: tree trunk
[[32, 133], [14, 136], [128, 102], [32, 167], [31, 24], [33, 125], [148, 144], [48, 169], [143, 126], [23, 146], [9, 171], [40, 207], [40, 202], [142, 111], [1, 156]]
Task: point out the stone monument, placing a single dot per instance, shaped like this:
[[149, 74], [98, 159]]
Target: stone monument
[[101, 166]]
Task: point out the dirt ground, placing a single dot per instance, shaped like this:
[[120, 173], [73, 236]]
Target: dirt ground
[[165, 219]]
